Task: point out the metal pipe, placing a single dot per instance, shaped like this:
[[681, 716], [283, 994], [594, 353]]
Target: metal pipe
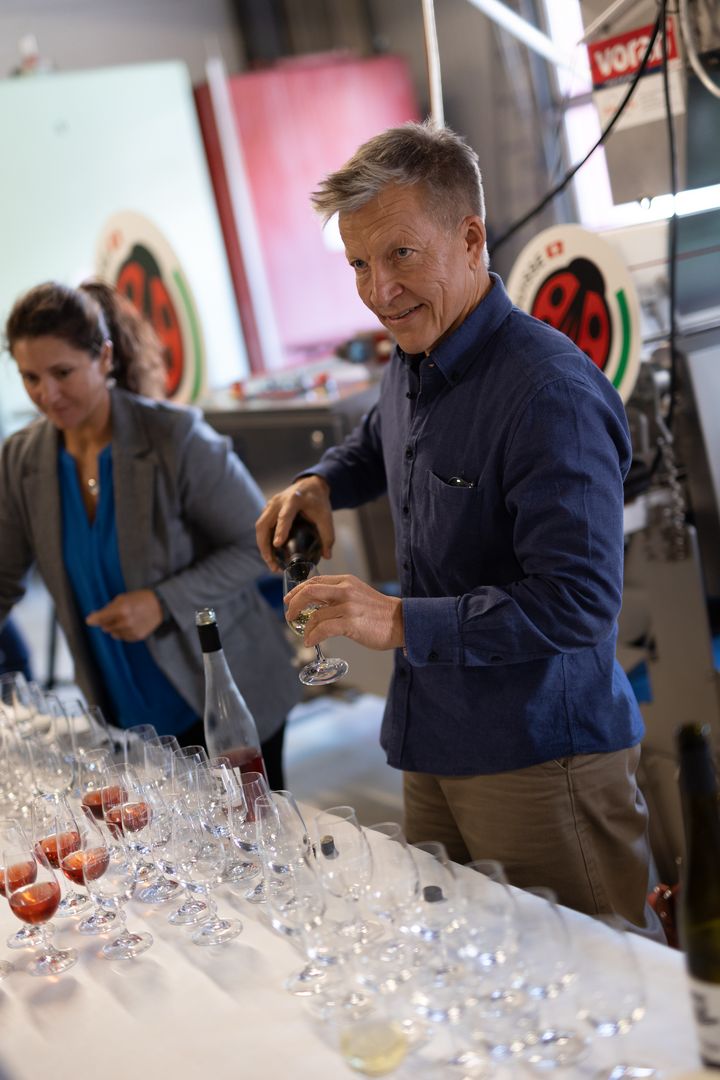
[[432, 54]]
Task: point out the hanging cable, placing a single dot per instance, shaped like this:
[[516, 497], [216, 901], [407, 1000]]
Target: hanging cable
[[548, 198], [673, 219]]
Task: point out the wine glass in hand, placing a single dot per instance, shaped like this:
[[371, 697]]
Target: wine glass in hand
[[323, 669], [33, 893]]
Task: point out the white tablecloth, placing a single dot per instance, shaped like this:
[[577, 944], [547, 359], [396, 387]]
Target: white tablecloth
[[182, 1011]]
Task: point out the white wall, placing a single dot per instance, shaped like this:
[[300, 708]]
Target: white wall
[[78, 34]]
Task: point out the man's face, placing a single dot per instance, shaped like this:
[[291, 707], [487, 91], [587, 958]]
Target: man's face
[[420, 277]]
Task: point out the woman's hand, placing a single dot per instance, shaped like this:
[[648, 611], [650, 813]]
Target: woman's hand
[[131, 616], [348, 607]]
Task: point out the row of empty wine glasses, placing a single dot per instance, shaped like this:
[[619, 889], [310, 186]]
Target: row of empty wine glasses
[[404, 949], [42, 741], [400, 948]]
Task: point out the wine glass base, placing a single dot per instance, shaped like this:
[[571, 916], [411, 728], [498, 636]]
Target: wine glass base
[[127, 947], [628, 1072], [470, 1064], [240, 871], [323, 671], [146, 874], [258, 894], [71, 905], [98, 923], [217, 932], [162, 892], [191, 913], [27, 938], [556, 1049], [53, 962], [307, 982]]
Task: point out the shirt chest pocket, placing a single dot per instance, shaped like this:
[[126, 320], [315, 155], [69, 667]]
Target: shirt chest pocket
[[453, 506]]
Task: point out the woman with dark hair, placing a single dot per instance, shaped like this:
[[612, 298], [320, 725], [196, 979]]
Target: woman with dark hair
[[136, 513]]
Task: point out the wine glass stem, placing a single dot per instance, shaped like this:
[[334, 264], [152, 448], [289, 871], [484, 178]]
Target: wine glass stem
[[319, 655], [43, 943]]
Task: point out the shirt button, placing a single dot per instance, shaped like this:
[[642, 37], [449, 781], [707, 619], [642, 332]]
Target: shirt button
[[408, 452], [432, 655], [406, 509]]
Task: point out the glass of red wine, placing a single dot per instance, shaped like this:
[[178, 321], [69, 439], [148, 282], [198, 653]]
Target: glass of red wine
[[323, 669], [91, 780], [12, 835], [33, 893], [127, 814], [53, 826], [90, 859], [145, 820], [110, 877]]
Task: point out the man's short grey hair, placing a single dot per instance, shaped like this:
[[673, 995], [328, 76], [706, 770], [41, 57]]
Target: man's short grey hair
[[426, 154]]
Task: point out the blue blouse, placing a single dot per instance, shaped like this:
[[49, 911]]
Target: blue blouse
[[136, 687]]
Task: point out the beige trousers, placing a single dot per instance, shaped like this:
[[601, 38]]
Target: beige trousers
[[578, 826]]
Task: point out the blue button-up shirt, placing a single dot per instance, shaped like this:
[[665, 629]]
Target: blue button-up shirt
[[503, 454]]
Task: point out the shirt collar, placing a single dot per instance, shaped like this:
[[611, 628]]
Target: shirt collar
[[455, 354]]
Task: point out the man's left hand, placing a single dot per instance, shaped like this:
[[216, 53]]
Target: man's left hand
[[348, 607], [130, 616]]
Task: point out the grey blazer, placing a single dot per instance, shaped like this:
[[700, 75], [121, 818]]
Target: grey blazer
[[185, 509]]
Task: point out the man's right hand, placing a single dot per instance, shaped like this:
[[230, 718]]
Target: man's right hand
[[309, 495]]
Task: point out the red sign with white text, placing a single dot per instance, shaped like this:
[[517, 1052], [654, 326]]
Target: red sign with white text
[[620, 57]]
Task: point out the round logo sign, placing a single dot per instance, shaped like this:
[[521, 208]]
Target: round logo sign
[[135, 257], [574, 280]]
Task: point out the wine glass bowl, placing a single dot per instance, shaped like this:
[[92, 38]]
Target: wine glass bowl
[[322, 669], [612, 997], [33, 893], [56, 833]]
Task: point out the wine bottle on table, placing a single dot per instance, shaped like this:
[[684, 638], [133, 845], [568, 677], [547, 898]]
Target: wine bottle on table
[[700, 890], [303, 544], [230, 730]]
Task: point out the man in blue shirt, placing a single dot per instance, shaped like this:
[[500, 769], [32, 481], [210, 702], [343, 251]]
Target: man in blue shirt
[[503, 450]]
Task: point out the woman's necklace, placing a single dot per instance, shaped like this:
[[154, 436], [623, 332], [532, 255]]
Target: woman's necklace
[[93, 486]]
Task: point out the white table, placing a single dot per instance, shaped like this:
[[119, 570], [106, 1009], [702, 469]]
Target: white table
[[182, 1012]]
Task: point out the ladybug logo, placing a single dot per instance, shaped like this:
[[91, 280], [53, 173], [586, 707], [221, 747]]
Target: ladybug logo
[[572, 299], [135, 256], [140, 280], [576, 281]]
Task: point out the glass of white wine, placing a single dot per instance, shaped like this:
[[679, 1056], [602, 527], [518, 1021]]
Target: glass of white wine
[[322, 669]]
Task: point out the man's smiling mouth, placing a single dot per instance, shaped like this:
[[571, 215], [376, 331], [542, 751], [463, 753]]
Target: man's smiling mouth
[[401, 314]]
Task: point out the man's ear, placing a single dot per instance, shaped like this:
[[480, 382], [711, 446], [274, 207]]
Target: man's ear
[[474, 237]]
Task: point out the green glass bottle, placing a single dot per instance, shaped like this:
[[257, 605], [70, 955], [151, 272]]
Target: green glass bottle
[[700, 892]]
